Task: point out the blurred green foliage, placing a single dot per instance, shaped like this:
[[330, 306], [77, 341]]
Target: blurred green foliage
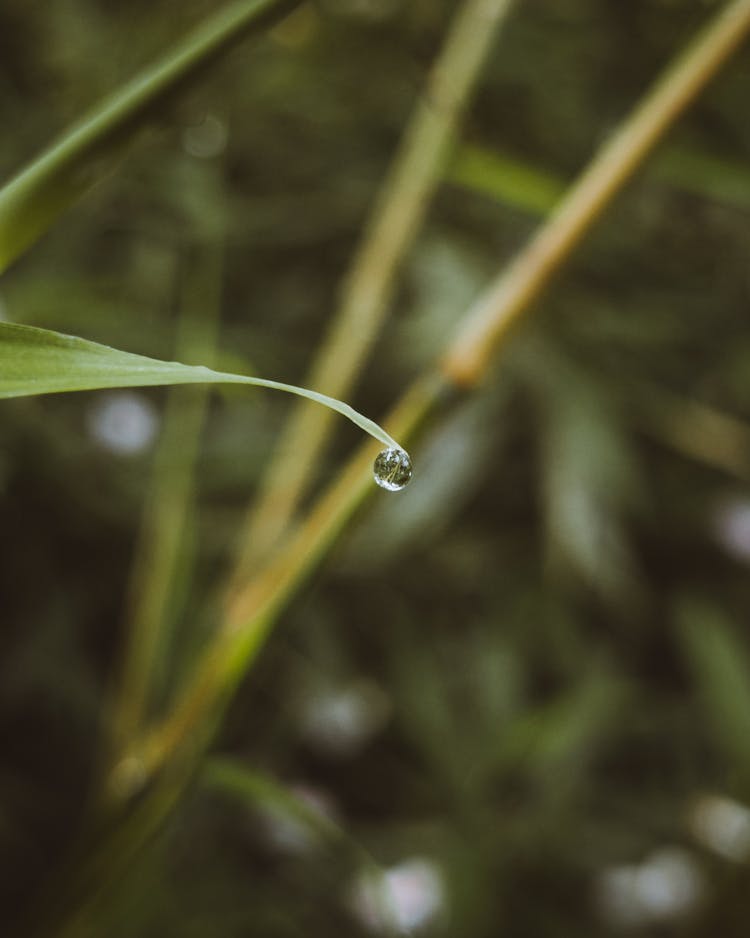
[[530, 669]]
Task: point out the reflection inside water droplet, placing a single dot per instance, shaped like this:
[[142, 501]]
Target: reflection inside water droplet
[[392, 469]]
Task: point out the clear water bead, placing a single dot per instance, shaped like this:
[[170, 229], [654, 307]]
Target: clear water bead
[[392, 469]]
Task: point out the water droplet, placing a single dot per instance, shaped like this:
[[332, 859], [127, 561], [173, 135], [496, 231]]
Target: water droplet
[[392, 469]]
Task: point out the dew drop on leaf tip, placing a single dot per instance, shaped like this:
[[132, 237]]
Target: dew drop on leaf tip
[[392, 469]]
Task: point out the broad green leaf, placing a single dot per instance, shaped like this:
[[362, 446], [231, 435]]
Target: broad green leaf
[[31, 202], [38, 361]]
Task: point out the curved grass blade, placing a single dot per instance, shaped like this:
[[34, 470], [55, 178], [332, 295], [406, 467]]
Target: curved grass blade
[[39, 361], [31, 202]]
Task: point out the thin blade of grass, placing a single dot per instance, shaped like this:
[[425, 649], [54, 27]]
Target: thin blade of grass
[[715, 652], [260, 792], [533, 189], [504, 179]]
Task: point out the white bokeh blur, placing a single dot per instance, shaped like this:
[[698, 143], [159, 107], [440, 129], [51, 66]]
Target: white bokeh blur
[[668, 885], [731, 527], [402, 898], [123, 422], [722, 825], [340, 721]]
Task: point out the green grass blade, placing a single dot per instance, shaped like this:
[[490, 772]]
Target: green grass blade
[[715, 651], [505, 179], [258, 791], [532, 189], [38, 361], [30, 203]]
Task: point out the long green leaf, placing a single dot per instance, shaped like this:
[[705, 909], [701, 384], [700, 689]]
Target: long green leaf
[[38, 361], [31, 202]]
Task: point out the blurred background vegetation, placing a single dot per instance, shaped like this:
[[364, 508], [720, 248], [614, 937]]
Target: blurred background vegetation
[[516, 699]]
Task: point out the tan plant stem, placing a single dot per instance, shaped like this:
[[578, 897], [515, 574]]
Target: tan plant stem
[[253, 608], [485, 326], [397, 215]]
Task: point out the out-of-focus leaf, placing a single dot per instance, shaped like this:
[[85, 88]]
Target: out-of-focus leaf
[[720, 665], [552, 741], [534, 190], [31, 201], [506, 179], [589, 475], [703, 173], [301, 817], [258, 790]]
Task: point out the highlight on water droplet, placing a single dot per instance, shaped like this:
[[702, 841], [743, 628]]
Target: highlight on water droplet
[[392, 469]]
